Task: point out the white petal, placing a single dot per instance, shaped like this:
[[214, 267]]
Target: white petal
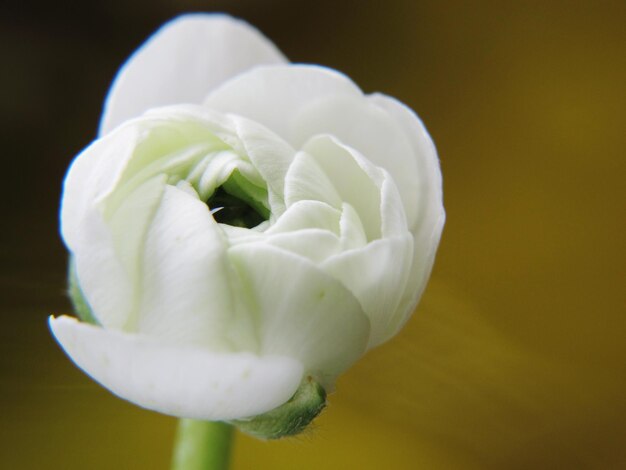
[[212, 171], [314, 244], [302, 312], [362, 125], [186, 293], [136, 151], [352, 231], [91, 176], [110, 195], [269, 153], [182, 62], [236, 235], [180, 381], [355, 180], [127, 226], [307, 181], [104, 281], [377, 275], [274, 95], [430, 215], [308, 214], [392, 214]]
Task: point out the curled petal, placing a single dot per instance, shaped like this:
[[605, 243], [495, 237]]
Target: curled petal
[[355, 179], [180, 381], [359, 123]]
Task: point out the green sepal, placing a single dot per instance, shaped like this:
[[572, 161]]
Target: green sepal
[[79, 302], [290, 418]]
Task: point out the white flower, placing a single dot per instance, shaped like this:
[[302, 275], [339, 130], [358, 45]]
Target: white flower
[[332, 212]]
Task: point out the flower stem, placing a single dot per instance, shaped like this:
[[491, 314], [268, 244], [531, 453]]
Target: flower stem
[[202, 445]]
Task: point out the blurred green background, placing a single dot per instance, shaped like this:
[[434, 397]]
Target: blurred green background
[[516, 356]]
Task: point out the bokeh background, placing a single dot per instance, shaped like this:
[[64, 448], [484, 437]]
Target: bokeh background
[[516, 356]]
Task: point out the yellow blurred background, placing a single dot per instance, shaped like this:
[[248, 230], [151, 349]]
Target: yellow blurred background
[[516, 357]]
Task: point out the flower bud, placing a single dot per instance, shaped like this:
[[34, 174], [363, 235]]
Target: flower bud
[[243, 230]]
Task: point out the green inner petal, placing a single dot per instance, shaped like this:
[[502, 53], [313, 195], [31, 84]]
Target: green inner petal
[[239, 202], [231, 210], [254, 195]]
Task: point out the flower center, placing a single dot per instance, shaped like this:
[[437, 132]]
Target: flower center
[[231, 210]]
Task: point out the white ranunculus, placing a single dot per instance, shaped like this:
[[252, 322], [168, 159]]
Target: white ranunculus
[[242, 224]]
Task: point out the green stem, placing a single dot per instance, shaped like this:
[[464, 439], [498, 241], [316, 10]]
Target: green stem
[[202, 445]]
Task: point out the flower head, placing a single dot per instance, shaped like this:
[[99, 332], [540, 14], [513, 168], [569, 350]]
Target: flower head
[[242, 224]]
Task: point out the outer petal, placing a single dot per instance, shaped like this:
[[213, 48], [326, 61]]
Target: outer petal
[[182, 62], [274, 95], [302, 312], [430, 211], [429, 196], [179, 381]]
